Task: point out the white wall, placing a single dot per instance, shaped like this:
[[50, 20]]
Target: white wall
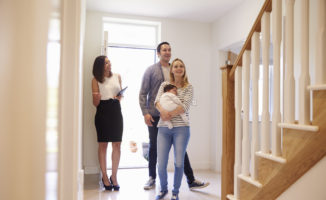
[[228, 30], [92, 48], [310, 186], [219, 58], [190, 41], [235, 25]]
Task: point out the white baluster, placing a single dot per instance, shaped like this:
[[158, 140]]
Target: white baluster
[[238, 130], [289, 84], [245, 138], [321, 44], [276, 118], [265, 138], [254, 78], [304, 81]]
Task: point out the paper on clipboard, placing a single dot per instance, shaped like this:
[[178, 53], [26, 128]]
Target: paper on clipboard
[[122, 91]]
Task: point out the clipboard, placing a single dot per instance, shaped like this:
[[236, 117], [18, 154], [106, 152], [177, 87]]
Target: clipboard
[[122, 91]]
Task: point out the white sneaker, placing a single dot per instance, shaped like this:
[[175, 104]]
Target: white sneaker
[[149, 184]]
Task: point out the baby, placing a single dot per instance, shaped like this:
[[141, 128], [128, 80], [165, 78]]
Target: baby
[[169, 101]]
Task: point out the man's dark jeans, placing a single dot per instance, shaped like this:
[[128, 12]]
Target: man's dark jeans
[[152, 159]]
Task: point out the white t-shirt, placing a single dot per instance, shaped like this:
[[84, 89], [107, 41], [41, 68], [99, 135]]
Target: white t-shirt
[[166, 73]]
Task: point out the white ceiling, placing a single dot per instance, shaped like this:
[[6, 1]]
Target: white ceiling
[[193, 10]]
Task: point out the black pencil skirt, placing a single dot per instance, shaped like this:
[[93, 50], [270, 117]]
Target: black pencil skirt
[[109, 121]]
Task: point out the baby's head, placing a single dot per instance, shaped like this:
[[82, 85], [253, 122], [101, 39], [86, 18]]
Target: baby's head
[[170, 88]]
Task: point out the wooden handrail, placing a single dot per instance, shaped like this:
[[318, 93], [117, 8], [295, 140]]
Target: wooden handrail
[[267, 7]]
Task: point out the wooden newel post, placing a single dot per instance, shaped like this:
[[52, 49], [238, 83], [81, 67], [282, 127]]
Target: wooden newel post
[[228, 135]]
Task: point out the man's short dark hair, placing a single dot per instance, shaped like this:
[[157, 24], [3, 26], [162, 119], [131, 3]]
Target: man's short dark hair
[[158, 49], [169, 87]]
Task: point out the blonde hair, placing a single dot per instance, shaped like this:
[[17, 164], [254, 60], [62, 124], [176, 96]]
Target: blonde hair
[[185, 81]]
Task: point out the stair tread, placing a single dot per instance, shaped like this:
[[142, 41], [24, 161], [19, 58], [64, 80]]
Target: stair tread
[[317, 87], [271, 157], [231, 197], [302, 127], [250, 180]]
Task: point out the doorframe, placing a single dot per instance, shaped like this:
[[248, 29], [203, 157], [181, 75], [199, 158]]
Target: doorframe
[[70, 177]]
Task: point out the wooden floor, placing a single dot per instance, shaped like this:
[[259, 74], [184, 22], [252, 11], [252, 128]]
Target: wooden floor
[[132, 180]]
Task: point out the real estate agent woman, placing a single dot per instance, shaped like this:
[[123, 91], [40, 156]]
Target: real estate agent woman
[[108, 118]]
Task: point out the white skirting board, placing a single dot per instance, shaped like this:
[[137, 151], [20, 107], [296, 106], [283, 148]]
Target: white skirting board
[[80, 184]]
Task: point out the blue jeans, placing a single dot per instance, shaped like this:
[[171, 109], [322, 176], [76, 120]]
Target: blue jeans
[[178, 137], [152, 154]]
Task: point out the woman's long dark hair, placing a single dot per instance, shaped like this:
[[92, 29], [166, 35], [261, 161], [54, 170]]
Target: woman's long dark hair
[[98, 68]]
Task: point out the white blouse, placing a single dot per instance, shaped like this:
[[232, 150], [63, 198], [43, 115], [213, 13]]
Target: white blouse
[[110, 87]]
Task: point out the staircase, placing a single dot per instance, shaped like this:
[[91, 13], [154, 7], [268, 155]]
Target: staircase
[[262, 164], [302, 149]]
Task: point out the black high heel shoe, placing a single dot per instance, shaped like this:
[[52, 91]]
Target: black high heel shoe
[[115, 187], [107, 187]]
